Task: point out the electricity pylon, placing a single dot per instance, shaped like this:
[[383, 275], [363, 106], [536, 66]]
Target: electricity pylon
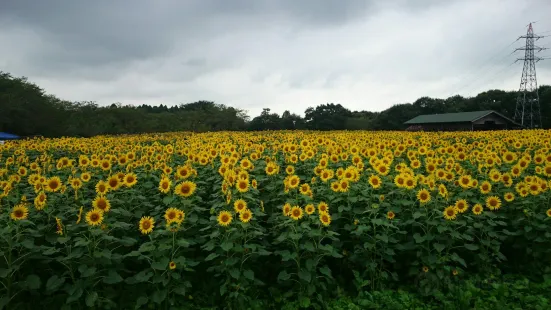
[[527, 112]]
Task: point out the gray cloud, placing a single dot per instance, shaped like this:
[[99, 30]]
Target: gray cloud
[[279, 54]]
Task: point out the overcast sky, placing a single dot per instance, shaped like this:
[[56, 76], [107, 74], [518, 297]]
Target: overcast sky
[[285, 55]]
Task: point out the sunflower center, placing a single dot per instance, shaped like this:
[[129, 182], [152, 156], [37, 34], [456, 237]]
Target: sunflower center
[[146, 225]]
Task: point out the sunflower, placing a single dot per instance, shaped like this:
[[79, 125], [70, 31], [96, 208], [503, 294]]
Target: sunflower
[[290, 170], [325, 219], [53, 184], [59, 226], [455, 272], [245, 216], [304, 189], [224, 218], [183, 172], [450, 213], [461, 205], [102, 203], [344, 186], [114, 182], [493, 203], [101, 187], [509, 196], [80, 214], [323, 207], [185, 189], [423, 196], [465, 181], [40, 201], [94, 217], [375, 181], [425, 269], [309, 209], [164, 185], [174, 215], [296, 213], [19, 212], [85, 176], [477, 209], [548, 212], [172, 265], [242, 185], [130, 179], [240, 205], [76, 184], [286, 209], [485, 187], [293, 181], [254, 183], [105, 165], [390, 215], [336, 186], [146, 225]]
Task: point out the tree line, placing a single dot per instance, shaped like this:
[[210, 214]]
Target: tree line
[[27, 110]]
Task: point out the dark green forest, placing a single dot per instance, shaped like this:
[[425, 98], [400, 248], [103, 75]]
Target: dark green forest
[[27, 110]]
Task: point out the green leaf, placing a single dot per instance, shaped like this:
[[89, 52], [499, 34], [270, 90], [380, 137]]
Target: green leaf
[[54, 282], [86, 271], [458, 259], [417, 215], [33, 282], [471, 247], [142, 300], [305, 275], [249, 274], [223, 289], [234, 272], [183, 243], [91, 299], [439, 247], [304, 301], [158, 296], [75, 295], [160, 265], [147, 247], [283, 276], [4, 272], [326, 271], [377, 221], [28, 243], [309, 246], [211, 256], [309, 264], [168, 200], [112, 277], [226, 245], [418, 238], [143, 275], [383, 238]]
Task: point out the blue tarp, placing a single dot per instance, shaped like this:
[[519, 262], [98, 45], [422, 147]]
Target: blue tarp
[[7, 136]]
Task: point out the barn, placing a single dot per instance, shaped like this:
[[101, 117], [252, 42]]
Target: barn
[[463, 121]]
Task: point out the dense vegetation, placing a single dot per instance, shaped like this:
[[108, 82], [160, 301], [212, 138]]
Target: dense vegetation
[[25, 109], [278, 219]]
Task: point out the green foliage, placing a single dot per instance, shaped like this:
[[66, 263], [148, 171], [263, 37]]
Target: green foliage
[[26, 110]]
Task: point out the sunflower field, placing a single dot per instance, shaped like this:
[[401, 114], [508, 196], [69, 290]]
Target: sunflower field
[[247, 220]]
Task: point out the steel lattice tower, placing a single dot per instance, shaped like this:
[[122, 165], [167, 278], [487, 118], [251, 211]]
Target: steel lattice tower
[[527, 111]]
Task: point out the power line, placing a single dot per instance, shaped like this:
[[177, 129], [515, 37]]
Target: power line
[[480, 67]]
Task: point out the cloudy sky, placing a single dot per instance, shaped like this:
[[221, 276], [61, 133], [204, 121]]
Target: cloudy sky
[[281, 54]]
